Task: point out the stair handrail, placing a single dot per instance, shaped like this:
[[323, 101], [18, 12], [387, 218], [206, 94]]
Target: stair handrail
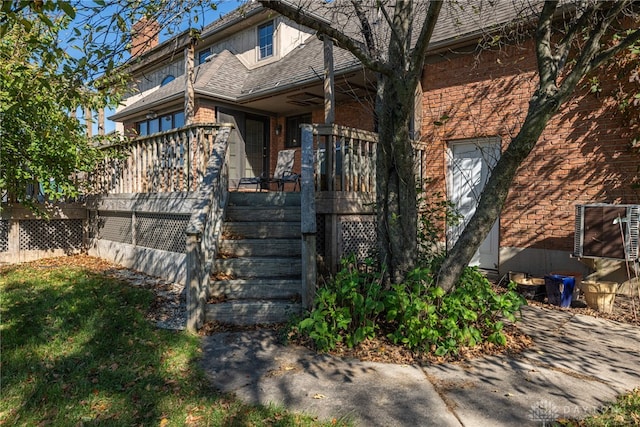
[[205, 227]]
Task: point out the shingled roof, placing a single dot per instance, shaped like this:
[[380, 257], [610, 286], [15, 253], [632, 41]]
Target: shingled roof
[[224, 77]]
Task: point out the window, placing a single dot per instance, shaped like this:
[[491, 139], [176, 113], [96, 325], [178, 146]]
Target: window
[[143, 128], [294, 133], [265, 40], [178, 119], [203, 55], [160, 124], [167, 80], [166, 122], [154, 126]]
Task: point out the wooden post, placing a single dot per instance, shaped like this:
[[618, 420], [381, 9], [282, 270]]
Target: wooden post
[[195, 306], [189, 93], [329, 92], [88, 120], [100, 121], [308, 220]]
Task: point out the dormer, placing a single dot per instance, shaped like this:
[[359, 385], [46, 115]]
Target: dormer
[[258, 39]]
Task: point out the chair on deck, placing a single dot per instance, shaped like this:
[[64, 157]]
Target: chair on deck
[[282, 174]]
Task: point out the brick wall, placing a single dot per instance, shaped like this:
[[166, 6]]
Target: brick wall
[[145, 36], [583, 156], [205, 111]]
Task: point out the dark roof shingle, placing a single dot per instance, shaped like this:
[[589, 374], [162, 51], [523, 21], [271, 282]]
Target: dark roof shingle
[[224, 76]]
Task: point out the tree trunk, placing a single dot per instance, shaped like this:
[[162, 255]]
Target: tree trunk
[[395, 181], [541, 109]]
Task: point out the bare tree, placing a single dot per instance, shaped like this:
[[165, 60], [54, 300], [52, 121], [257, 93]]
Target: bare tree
[[391, 39], [571, 40]]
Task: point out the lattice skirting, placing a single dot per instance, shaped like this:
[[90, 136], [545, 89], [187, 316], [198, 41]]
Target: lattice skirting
[[115, 226], [151, 230], [357, 236], [162, 231], [4, 235], [49, 235]]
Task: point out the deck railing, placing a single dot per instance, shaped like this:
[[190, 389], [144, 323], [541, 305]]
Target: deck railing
[[163, 162], [344, 191], [205, 228], [345, 159]]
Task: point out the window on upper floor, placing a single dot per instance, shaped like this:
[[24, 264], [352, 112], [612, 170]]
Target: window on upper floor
[[293, 137], [265, 40], [167, 79], [203, 55], [160, 124]]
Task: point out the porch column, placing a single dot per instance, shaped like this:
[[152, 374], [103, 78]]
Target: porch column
[[101, 121], [88, 121]]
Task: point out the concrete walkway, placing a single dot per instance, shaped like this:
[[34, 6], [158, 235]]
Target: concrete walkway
[[577, 364]]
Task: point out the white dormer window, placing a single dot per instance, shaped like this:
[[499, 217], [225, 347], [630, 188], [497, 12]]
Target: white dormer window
[[265, 40]]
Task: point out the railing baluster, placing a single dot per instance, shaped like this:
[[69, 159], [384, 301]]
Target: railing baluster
[[164, 162]]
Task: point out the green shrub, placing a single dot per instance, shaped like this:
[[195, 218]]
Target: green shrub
[[417, 314], [424, 318], [355, 306], [346, 308]]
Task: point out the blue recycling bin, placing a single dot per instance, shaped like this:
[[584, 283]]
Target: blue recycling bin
[[559, 289]]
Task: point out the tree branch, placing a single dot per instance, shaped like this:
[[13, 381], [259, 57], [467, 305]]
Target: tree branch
[[589, 58], [564, 47], [299, 15], [606, 54], [422, 44], [547, 67], [383, 9], [364, 23]]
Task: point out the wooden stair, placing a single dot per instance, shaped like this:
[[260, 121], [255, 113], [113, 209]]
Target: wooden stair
[[257, 276]]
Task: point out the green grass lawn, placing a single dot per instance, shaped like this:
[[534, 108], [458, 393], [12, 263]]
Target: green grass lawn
[[77, 350], [624, 412]]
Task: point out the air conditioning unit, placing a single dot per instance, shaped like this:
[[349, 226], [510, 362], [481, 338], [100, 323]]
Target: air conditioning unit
[[607, 231]]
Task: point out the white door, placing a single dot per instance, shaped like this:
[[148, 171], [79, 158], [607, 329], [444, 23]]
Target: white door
[[469, 166]]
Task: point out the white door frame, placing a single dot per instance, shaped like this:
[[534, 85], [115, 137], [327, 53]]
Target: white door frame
[[487, 150]]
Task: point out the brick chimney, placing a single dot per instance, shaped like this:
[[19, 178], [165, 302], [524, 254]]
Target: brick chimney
[[145, 35]]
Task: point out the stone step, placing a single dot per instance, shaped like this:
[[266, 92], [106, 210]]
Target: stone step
[[261, 230], [252, 312], [262, 214], [252, 289], [237, 268], [269, 199], [260, 248]]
